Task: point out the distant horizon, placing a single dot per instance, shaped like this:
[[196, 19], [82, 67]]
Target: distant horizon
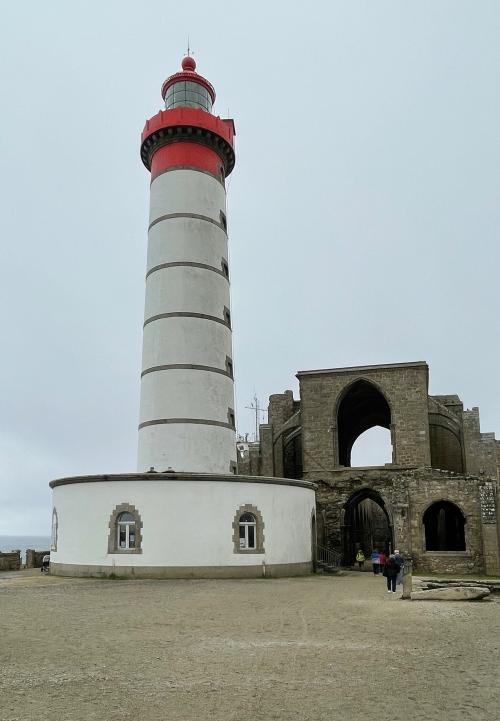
[[24, 535]]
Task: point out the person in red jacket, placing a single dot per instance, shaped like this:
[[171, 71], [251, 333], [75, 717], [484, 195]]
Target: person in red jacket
[[382, 560]]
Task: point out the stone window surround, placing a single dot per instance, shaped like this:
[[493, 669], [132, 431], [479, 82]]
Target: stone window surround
[[259, 530], [113, 535], [54, 530]]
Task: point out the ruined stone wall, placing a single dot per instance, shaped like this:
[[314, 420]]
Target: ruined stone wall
[[446, 433], [281, 408], [10, 561], [406, 494], [405, 389], [426, 488], [249, 462], [34, 558], [480, 448]]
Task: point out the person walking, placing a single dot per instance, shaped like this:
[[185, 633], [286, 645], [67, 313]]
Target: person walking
[[391, 570], [401, 561], [382, 560], [375, 559], [360, 558]]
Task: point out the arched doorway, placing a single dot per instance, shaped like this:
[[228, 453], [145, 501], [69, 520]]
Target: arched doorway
[[444, 525], [362, 407], [367, 526]]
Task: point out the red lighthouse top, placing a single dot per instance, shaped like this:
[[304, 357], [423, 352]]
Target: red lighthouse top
[[187, 134], [188, 89]]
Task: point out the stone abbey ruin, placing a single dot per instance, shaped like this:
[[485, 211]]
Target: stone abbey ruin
[[437, 500]]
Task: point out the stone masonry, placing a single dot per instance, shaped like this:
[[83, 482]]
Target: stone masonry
[[444, 472]]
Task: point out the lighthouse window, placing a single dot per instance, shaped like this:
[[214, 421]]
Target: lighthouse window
[[125, 526], [248, 530], [188, 95]]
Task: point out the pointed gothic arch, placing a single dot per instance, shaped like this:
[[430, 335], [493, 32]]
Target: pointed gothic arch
[[361, 406], [366, 524]]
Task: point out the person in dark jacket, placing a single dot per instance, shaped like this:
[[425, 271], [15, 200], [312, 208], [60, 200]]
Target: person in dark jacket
[[391, 570], [401, 561]]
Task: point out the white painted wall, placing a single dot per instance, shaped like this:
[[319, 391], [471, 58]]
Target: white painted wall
[[186, 340], [181, 393], [178, 393], [186, 289], [186, 191], [186, 239], [185, 523], [186, 448]]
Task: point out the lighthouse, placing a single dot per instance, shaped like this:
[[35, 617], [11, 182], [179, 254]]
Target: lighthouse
[[185, 513], [187, 420]]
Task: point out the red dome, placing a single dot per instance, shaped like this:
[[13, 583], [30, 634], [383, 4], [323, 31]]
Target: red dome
[[188, 73], [188, 63]]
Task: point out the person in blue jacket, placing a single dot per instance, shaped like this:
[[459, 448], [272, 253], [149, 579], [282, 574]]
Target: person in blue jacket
[[375, 559]]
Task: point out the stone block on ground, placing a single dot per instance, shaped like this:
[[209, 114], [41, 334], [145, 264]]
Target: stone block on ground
[[453, 593]]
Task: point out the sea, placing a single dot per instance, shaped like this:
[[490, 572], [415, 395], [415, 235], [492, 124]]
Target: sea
[[13, 543]]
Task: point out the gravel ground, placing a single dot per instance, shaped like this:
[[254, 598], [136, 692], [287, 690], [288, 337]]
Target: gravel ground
[[319, 647]]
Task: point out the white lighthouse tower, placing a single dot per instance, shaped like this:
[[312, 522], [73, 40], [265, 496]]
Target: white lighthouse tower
[[187, 399], [185, 513]]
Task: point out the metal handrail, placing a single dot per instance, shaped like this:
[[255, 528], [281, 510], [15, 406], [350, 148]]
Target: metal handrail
[[328, 555]]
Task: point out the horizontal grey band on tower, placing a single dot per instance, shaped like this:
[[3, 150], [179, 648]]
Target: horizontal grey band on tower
[[180, 421], [180, 314], [195, 216], [186, 366], [188, 167], [188, 264]]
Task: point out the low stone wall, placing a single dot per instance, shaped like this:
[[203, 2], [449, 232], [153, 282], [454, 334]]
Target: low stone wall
[[10, 561], [34, 558], [445, 562]]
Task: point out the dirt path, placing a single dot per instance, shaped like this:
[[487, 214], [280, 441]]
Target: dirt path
[[319, 647]]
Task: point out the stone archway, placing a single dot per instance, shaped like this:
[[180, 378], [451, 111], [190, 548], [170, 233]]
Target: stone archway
[[362, 406], [444, 527], [366, 525]]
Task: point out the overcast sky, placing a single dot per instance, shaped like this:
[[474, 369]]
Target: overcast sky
[[363, 210]]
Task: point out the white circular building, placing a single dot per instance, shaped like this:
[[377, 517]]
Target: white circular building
[[185, 513]]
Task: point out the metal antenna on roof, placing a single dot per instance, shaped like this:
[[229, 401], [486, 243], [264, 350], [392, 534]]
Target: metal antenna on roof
[[189, 49]]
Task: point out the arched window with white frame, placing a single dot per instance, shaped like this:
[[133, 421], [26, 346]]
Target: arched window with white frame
[[247, 525], [248, 530], [125, 530], [53, 535]]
